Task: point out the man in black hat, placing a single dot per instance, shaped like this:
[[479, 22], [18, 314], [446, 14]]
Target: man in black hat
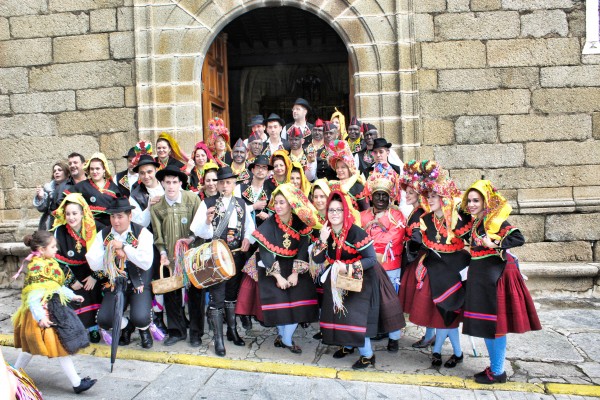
[[300, 109], [133, 244], [254, 193], [225, 217], [381, 151], [144, 195], [275, 142], [257, 127], [127, 178], [324, 170], [171, 219]]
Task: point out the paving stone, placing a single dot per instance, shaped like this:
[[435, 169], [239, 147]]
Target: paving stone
[[591, 369], [584, 342], [341, 390], [235, 381], [544, 345], [569, 320], [186, 381]]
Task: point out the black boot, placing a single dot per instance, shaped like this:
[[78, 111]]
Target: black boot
[[232, 333], [126, 332], [246, 321], [158, 320], [216, 318], [146, 338]]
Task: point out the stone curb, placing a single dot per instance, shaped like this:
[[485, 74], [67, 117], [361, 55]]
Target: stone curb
[[449, 382]]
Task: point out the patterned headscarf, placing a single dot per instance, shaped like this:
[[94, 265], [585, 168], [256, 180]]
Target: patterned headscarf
[[298, 201], [340, 151], [305, 184], [88, 225], [101, 157], [202, 146], [350, 216], [176, 151], [496, 208]]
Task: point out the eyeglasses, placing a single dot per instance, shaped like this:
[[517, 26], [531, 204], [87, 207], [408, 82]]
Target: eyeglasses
[[335, 210]]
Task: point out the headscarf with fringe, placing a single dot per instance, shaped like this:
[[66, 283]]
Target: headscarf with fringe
[[88, 225], [286, 160], [495, 208], [101, 157], [202, 146], [176, 151], [304, 183], [324, 186], [298, 201]]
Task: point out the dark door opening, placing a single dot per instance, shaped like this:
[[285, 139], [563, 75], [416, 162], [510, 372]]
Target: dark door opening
[[277, 54]]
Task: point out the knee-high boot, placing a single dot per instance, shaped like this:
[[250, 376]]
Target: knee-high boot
[[232, 333], [216, 318]]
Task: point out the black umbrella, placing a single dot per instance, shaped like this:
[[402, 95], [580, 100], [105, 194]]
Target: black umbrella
[[120, 286]]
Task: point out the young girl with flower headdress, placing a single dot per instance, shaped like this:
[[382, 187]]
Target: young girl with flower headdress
[[43, 302], [439, 297], [218, 142], [497, 301]]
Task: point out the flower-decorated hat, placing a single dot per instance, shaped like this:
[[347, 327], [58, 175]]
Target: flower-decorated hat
[[340, 151]]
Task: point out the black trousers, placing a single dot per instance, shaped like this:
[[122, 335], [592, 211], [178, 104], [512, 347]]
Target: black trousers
[[140, 307]]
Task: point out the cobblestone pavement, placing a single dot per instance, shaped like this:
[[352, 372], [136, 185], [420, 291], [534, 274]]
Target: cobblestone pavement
[[566, 351]]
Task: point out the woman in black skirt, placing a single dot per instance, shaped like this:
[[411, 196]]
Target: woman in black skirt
[[287, 292]]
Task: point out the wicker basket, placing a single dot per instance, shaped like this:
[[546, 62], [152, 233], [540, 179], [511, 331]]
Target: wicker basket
[[166, 285], [347, 282]]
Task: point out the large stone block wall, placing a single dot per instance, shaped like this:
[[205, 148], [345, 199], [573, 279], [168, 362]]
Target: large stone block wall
[[506, 93], [66, 84], [488, 87]]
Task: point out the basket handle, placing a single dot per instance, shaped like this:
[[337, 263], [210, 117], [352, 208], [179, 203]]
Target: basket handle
[[162, 267]]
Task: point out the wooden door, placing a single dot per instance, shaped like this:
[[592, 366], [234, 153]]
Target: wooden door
[[215, 91]]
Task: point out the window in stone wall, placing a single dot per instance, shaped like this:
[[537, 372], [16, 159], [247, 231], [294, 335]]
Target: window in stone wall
[[592, 27]]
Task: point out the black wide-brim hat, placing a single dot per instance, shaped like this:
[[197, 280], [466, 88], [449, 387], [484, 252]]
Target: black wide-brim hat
[[260, 160], [381, 142], [256, 120], [275, 117], [225, 173], [120, 204], [130, 153], [172, 170], [145, 159], [302, 102]]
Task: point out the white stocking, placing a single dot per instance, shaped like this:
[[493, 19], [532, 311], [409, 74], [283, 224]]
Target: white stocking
[[69, 368], [22, 360]]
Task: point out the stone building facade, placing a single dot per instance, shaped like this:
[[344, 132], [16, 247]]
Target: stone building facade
[[498, 88]]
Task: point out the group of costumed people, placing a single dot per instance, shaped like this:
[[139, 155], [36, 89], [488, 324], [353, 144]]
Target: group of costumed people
[[323, 223]]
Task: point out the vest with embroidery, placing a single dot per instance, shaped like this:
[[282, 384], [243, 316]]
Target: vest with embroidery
[[232, 236], [136, 275]]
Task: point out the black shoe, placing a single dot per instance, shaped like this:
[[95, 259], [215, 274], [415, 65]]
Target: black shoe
[[172, 339], [436, 360], [216, 318], [422, 343], [232, 333], [453, 360], [379, 336], [159, 322], [293, 348], [318, 335], [482, 373], [343, 352], [304, 324], [489, 378], [95, 336], [364, 362], [278, 342], [85, 384], [195, 340], [246, 322], [392, 346], [126, 332], [146, 338]]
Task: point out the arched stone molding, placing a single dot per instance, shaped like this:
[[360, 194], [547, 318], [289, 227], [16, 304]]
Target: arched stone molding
[[172, 37]]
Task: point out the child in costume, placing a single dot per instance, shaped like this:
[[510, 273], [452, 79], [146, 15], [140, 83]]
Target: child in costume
[[34, 322]]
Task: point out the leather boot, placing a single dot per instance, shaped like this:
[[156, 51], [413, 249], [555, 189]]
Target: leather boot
[[246, 321], [216, 318], [158, 320], [126, 332], [232, 333], [146, 338]]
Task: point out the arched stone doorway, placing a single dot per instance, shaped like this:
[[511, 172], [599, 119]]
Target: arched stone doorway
[[172, 40]]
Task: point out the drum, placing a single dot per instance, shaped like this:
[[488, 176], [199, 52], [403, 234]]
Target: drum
[[209, 264]]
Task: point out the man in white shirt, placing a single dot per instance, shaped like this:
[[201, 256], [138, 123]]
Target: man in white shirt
[[227, 218], [133, 244], [300, 109], [275, 141]]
